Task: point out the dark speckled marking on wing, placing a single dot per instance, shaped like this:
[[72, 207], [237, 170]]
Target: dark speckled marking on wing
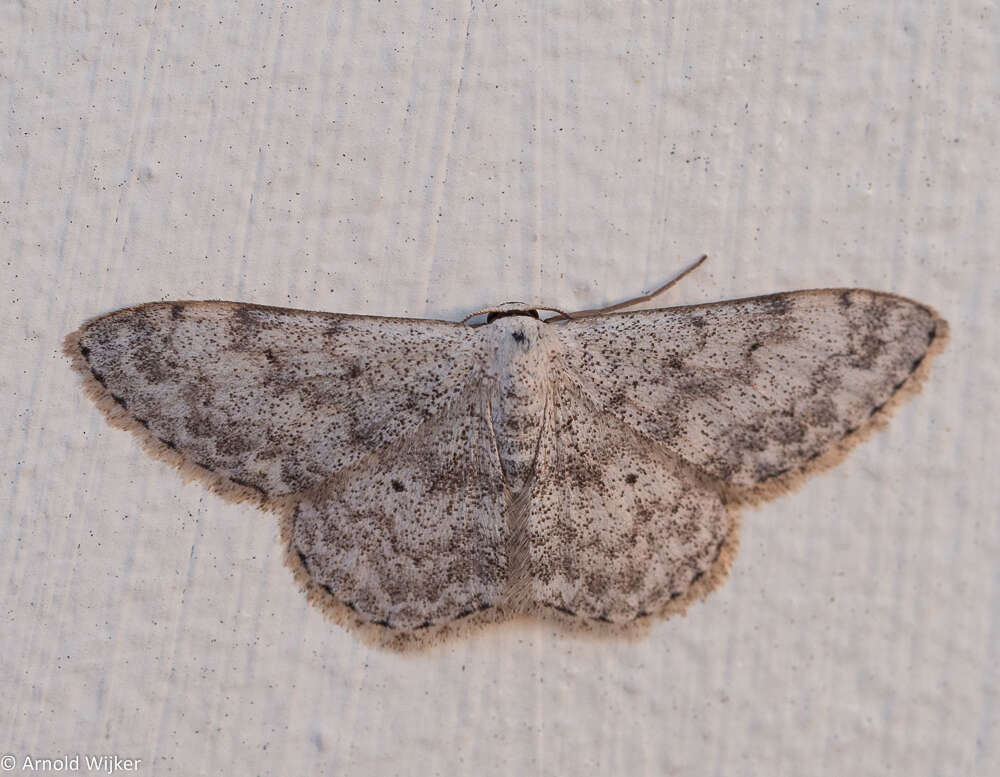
[[416, 535], [747, 390], [617, 526], [277, 399]]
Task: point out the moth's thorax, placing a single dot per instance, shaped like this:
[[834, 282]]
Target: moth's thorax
[[521, 349]]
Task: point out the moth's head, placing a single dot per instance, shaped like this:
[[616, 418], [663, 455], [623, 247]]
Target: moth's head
[[506, 310], [514, 329], [510, 309]]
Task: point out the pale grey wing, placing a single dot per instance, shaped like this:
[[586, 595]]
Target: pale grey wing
[[617, 526], [415, 535], [752, 389], [272, 399]]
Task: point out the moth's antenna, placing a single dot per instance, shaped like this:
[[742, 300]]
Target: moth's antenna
[[633, 301]]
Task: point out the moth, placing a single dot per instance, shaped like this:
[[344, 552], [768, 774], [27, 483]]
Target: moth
[[432, 475]]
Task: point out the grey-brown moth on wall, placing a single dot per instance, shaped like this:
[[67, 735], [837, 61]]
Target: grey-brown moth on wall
[[431, 475]]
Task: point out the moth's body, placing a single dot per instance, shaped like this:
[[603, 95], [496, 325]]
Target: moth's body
[[519, 389], [430, 474]]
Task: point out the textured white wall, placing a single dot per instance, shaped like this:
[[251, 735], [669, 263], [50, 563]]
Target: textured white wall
[[428, 159]]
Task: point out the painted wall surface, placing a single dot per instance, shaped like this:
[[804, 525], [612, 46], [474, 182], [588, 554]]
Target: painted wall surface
[[428, 159]]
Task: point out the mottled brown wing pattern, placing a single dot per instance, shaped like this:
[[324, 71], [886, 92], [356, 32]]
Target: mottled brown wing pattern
[[271, 399], [750, 390], [617, 528], [414, 535]]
